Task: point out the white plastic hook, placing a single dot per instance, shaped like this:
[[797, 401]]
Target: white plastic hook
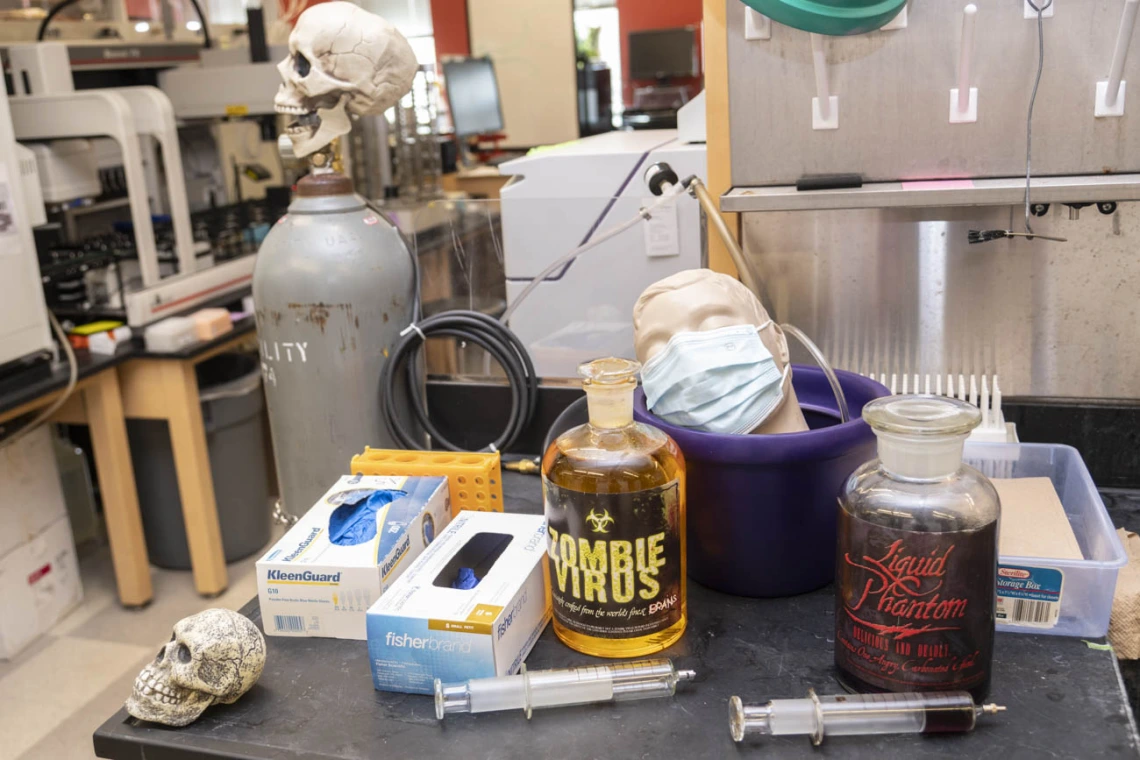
[[756, 25], [825, 106], [1110, 93], [898, 22], [964, 98]]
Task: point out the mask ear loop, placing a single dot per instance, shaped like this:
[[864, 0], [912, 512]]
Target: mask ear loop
[[821, 360]]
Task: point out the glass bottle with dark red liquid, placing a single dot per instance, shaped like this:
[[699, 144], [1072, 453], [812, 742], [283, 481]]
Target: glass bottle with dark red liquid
[[916, 563]]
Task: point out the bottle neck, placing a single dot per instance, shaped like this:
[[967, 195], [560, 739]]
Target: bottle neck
[[610, 407], [918, 457]]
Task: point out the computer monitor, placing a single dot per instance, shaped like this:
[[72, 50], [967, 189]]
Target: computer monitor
[[663, 53], [473, 93]]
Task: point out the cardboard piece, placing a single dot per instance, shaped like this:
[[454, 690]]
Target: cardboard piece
[[39, 584], [1124, 625], [32, 496], [1033, 521]]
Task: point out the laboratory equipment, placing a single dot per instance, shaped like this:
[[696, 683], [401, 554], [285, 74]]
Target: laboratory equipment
[[327, 338], [473, 95], [984, 393], [614, 494], [568, 195], [663, 53], [883, 276], [138, 124], [985, 236], [586, 684], [24, 332], [475, 481], [916, 561], [858, 715], [418, 160], [761, 509]]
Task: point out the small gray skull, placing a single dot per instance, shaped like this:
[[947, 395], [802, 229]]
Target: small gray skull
[[212, 657]]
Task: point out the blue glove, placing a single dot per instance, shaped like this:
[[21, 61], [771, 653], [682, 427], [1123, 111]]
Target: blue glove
[[352, 524], [465, 579]]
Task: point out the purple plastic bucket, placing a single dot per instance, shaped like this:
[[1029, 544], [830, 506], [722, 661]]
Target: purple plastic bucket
[[761, 508]]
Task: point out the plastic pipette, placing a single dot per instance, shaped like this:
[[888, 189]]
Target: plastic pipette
[[530, 690], [858, 714]]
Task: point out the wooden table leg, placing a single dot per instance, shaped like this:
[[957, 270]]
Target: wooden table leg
[[195, 480], [117, 485]]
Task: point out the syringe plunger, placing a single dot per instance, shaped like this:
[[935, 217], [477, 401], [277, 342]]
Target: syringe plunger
[[643, 679]]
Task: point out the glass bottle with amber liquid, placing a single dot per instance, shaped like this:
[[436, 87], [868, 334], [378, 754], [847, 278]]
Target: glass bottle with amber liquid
[[916, 564], [614, 495]]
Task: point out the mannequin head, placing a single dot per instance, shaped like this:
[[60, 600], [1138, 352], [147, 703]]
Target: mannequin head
[[698, 300], [694, 300]]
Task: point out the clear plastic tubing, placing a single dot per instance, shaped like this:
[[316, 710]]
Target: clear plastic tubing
[[534, 689], [858, 714]]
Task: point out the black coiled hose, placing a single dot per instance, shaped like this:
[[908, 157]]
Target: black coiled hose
[[494, 337]]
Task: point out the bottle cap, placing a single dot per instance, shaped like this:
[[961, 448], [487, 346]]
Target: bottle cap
[[921, 436], [609, 371], [609, 385]]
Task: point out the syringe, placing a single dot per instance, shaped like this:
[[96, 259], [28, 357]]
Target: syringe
[[858, 714], [529, 690]]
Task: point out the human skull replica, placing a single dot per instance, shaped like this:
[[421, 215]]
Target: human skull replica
[[212, 658], [342, 60]]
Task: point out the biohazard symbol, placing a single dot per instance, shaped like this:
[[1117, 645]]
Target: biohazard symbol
[[600, 523]]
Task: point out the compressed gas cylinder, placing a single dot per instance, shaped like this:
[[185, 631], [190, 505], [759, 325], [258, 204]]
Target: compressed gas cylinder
[[332, 289]]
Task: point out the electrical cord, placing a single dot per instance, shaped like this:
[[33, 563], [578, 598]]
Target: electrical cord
[[475, 327], [72, 379], [1032, 100], [207, 42], [984, 236], [401, 376]]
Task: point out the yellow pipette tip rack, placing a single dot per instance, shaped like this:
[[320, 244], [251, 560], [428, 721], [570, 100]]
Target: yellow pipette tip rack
[[474, 481]]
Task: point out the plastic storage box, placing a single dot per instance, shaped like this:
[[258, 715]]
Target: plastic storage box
[[170, 335], [1085, 587]]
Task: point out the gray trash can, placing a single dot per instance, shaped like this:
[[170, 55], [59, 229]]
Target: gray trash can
[[233, 411]]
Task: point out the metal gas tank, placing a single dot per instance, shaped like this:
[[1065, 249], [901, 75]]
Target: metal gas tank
[[332, 289]]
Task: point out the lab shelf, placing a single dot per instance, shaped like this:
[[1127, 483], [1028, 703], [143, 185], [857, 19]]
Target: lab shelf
[[924, 193]]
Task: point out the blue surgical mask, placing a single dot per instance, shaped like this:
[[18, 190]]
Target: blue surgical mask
[[717, 381]]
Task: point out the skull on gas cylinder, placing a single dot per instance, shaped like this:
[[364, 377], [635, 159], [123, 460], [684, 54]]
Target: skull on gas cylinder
[[341, 58], [212, 658]]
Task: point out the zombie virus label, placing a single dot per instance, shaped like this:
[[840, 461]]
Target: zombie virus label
[[615, 560]]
